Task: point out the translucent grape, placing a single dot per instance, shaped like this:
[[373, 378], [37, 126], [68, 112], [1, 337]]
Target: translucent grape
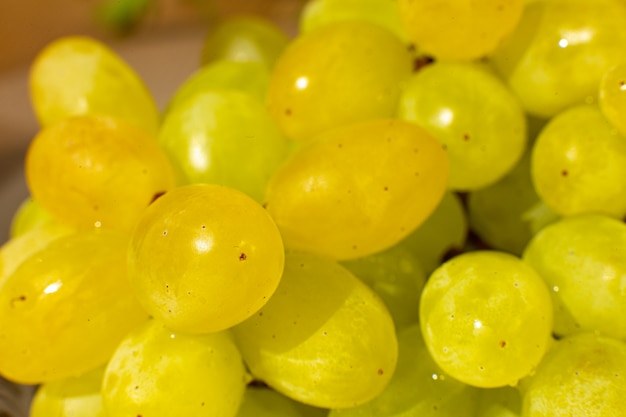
[[582, 376], [64, 310], [397, 276], [613, 96], [581, 260], [358, 189], [384, 13], [579, 164], [472, 113], [248, 77], [78, 75], [324, 338], [486, 318], [443, 231], [28, 216], [223, 137], [245, 39], [560, 51], [418, 388], [499, 402], [264, 402], [96, 171], [205, 257], [459, 29], [72, 397], [340, 57], [158, 372]]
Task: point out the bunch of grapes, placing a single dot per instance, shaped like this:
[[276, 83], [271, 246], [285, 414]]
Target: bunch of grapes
[[411, 209]]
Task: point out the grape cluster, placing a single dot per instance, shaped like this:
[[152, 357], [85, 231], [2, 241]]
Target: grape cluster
[[411, 209]]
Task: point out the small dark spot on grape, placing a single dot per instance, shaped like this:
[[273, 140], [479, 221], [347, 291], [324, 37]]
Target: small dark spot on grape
[[564, 173], [516, 284], [576, 373], [288, 112], [188, 292], [421, 62], [435, 407], [139, 415], [411, 47], [324, 333], [265, 205], [156, 196], [354, 247], [415, 150], [622, 83], [380, 371], [444, 147], [273, 336], [340, 145], [466, 137], [502, 343], [96, 208], [202, 404], [260, 314], [301, 265], [243, 257], [451, 316], [169, 310], [500, 7], [204, 226], [482, 368], [164, 232], [144, 171], [136, 386], [295, 322], [17, 299], [417, 174], [386, 188]]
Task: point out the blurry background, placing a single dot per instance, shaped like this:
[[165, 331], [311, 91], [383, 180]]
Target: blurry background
[[163, 46]]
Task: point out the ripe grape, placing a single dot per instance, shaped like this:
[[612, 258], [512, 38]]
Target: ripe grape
[[613, 96], [29, 215], [204, 257], [358, 189]]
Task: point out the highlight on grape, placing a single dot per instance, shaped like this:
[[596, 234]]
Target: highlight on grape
[[412, 208]]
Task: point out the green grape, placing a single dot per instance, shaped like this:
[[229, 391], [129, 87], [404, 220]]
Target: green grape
[[582, 376], [245, 39], [459, 29], [384, 13], [499, 402], [579, 164], [30, 215], [444, 230], [204, 258], [20, 248], [324, 338], [78, 75], [341, 57], [248, 77], [613, 96], [486, 318], [263, 402], [397, 276], [581, 260], [223, 137], [499, 214], [358, 189], [64, 309], [472, 113], [158, 372], [560, 51], [418, 388], [96, 171], [72, 397]]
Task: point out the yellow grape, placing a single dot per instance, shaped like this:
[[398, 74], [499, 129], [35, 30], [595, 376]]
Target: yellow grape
[[459, 29], [96, 171], [358, 189], [613, 96], [29, 215], [341, 57], [156, 372], [205, 257], [64, 309], [78, 75], [324, 338]]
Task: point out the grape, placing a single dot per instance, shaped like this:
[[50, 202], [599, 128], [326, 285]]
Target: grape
[[245, 39], [324, 338], [72, 397], [581, 260], [444, 230], [64, 309], [579, 164], [486, 318], [471, 112], [499, 402], [247, 77], [345, 57], [204, 258], [30, 215], [397, 276], [582, 376], [358, 189], [560, 51], [419, 388], [499, 214], [384, 13], [263, 402], [223, 137], [613, 97], [459, 29], [78, 75], [158, 372], [96, 171]]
